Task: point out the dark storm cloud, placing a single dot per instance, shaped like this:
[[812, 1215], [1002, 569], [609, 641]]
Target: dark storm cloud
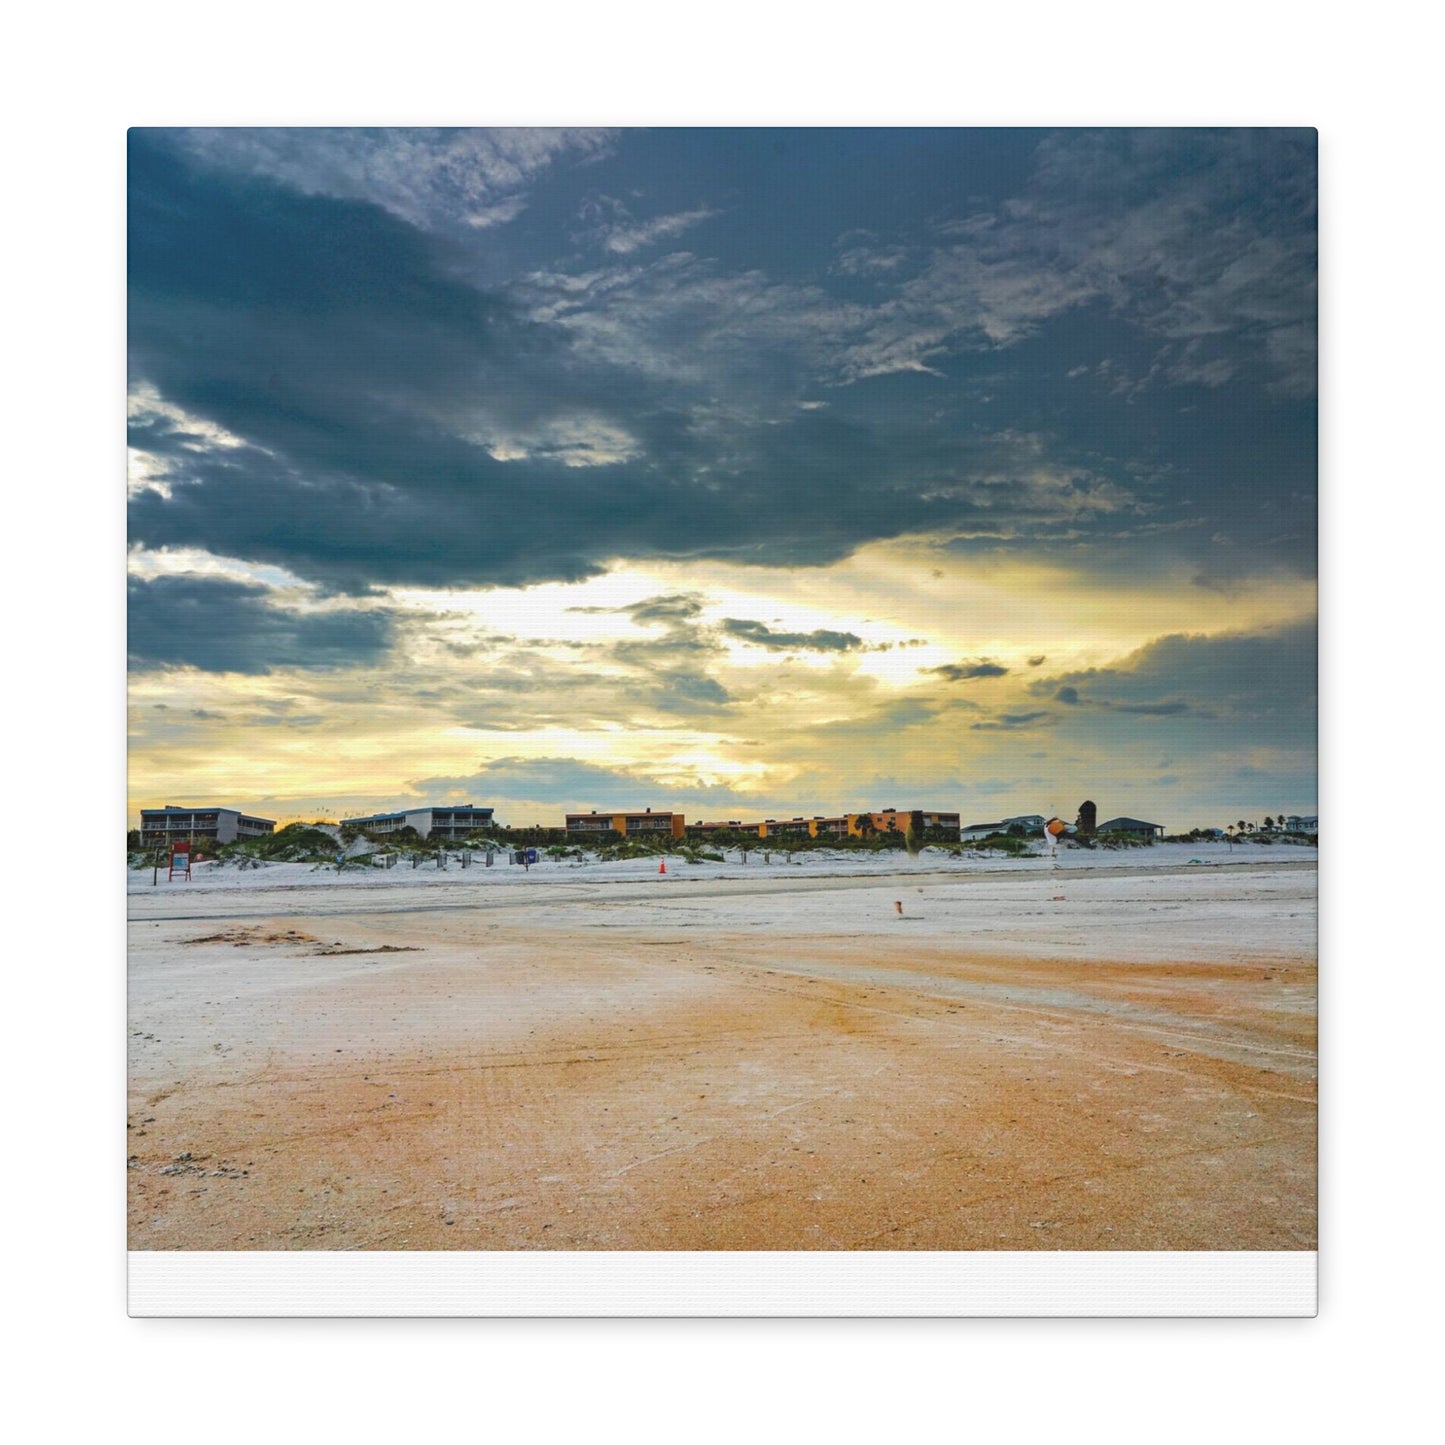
[[964, 671], [1071, 697], [412, 411], [687, 692], [299, 720], [676, 608], [1267, 677], [761, 635], [218, 625], [1010, 721], [1154, 709]]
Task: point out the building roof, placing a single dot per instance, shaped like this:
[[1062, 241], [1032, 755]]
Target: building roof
[[1117, 823], [425, 808], [198, 808], [629, 812], [204, 808]]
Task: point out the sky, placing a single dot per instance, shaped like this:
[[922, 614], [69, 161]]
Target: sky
[[746, 473]]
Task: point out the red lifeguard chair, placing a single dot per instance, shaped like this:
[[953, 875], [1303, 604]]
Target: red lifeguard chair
[[180, 861]]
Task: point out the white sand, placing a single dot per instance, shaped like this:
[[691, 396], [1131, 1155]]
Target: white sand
[[1115, 1054], [1155, 903], [793, 868]]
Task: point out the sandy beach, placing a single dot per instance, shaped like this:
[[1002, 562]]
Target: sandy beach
[[1119, 1053]]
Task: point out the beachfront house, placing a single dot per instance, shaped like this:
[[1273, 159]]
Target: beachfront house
[[1134, 827], [455, 820], [211, 823], [1029, 822], [1297, 824], [975, 831]]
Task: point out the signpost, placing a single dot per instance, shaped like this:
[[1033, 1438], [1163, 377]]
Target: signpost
[[180, 861]]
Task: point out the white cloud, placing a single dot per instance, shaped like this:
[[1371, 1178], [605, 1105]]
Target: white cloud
[[428, 176], [575, 440], [1121, 219], [683, 317], [497, 214], [147, 411], [626, 237]]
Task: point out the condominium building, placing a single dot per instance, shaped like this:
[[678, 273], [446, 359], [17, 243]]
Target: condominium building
[[453, 821], [842, 825], [895, 820], [213, 823], [646, 823]]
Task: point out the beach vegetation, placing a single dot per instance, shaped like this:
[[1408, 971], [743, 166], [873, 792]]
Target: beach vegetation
[[295, 843], [631, 847]]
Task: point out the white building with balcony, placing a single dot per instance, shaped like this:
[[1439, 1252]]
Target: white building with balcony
[[212, 823], [452, 821]]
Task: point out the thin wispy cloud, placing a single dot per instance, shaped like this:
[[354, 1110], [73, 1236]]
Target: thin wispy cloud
[[427, 176], [613, 227]]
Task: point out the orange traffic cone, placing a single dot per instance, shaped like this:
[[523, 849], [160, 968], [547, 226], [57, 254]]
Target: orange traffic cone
[[662, 867]]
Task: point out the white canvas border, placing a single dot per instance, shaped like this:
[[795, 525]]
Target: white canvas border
[[741, 1285]]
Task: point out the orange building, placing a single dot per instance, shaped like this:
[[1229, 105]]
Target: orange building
[[844, 825], [645, 824], [895, 820]]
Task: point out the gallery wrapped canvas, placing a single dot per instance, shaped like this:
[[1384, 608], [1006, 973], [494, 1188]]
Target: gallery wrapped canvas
[[738, 707]]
